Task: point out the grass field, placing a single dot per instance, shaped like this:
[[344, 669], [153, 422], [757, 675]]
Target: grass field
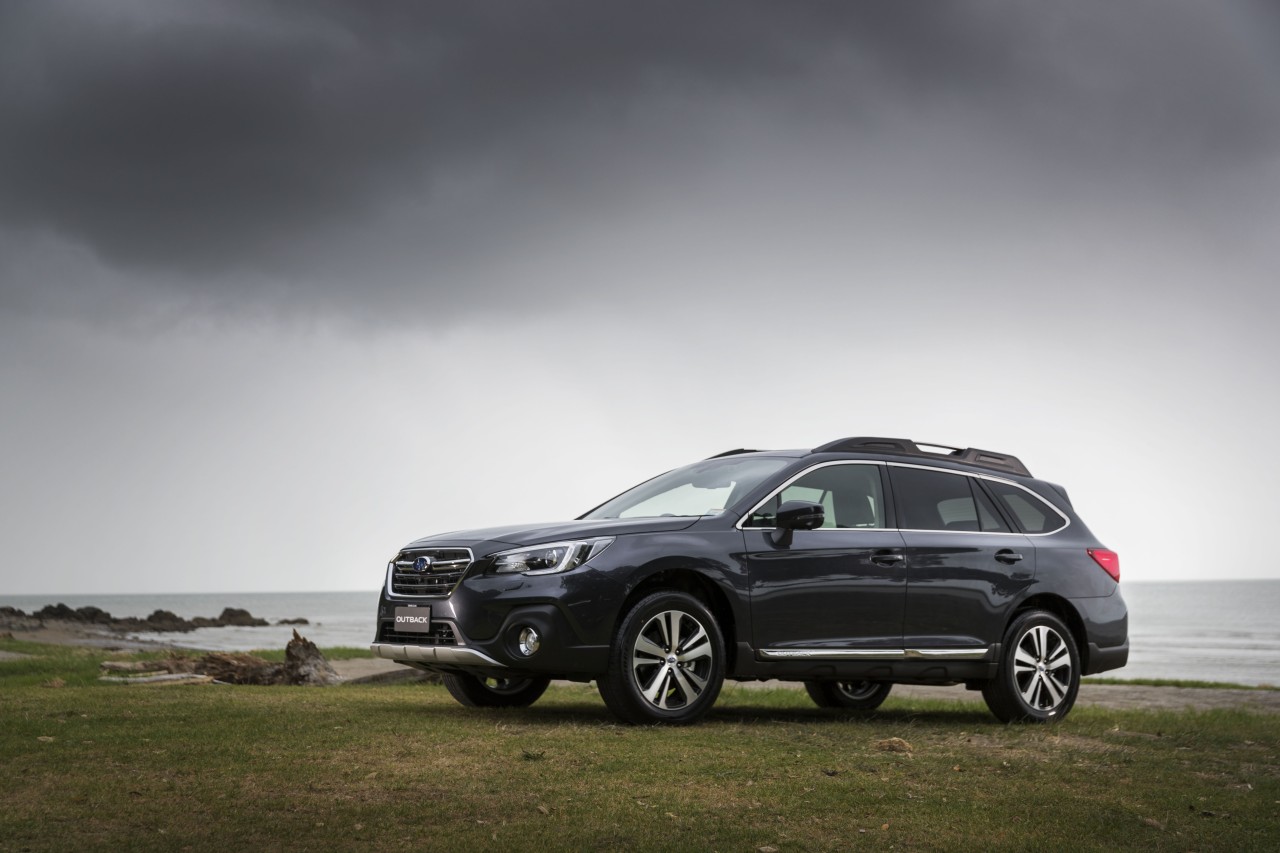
[[94, 766]]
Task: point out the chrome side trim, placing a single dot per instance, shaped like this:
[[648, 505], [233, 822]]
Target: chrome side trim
[[979, 653], [433, 654], [1066, 522], [832, 654]]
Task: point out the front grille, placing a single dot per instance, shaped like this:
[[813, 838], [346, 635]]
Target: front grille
[[447, 566], [441, 634]]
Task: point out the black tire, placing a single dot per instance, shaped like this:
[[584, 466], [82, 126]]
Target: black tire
[[851, 695], [476, 692], [666, 664], [1039, 674]]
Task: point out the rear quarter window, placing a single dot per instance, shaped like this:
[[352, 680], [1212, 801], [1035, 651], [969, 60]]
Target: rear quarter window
[[1031, 513]]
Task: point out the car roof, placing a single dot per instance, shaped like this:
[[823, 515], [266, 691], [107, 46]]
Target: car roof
[[875, 446]]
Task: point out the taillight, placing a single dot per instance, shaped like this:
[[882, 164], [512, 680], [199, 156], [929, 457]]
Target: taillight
[[1109, 560]]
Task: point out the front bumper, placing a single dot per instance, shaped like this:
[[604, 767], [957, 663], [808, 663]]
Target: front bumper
[[446, 655], [477, 628]]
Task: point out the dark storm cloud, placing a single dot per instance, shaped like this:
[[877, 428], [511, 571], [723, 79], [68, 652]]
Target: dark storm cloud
[[243, 143], [208, 140]]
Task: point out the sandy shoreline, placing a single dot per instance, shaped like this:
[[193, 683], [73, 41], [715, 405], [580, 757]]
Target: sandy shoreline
[[1118, 696], [62, 633]]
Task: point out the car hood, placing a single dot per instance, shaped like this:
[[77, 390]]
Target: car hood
[[535, 534]]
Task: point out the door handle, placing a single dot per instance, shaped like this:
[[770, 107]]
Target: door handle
[[886, 558], [1008, 557]]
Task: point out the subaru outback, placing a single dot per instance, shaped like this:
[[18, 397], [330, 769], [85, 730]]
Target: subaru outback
[[851, 567]]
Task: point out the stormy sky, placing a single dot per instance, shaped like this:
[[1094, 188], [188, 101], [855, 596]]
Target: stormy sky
[[286, 285]]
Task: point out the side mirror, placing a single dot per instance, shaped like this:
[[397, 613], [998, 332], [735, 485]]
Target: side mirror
[[796, 515]]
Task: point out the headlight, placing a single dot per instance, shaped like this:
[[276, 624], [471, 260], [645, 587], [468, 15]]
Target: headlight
[[550, 558]]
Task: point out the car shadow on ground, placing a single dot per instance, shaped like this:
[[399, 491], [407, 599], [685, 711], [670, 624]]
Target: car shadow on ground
[[745, 713], [586, 713]]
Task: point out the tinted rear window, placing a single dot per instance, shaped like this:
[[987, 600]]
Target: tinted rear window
[[1030, 511], [940, 500]]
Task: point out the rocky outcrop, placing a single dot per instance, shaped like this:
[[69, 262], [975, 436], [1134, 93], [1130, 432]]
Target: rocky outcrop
[[13, 619], [158, 621]]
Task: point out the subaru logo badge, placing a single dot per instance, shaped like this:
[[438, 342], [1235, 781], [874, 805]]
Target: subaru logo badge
[[422, 564]]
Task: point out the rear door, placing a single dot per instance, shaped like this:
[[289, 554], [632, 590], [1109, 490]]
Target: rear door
[[965, 565]]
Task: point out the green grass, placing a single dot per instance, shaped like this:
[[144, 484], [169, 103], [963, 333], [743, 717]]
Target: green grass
[[94, 766], [1182, 682]]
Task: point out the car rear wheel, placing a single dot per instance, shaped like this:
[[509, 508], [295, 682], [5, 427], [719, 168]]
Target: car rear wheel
[[1039, 674], [667, 661], [476, 692], [853, 695]]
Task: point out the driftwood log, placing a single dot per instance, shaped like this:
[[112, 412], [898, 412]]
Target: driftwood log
[[303, 664]]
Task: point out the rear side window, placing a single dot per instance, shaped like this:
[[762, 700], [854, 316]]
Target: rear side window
[[987, 513], [1031, 513], [850, 495], [939, 500]]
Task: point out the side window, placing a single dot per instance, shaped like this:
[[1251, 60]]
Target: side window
[[1032, 514], [988, 517], [851, 496], [937, 500]]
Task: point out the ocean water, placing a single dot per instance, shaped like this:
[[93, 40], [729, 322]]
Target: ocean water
[[1206, 631]]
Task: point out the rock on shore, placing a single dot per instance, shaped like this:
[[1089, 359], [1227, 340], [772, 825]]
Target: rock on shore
[[158, 621]]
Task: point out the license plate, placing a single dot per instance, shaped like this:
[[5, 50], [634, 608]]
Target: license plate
[[413, 619]]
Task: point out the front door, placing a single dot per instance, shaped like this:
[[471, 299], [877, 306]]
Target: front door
[[838, 591]]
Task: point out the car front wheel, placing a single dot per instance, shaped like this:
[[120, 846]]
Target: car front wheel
[[667, 661], [475, 692], [1039, 673]]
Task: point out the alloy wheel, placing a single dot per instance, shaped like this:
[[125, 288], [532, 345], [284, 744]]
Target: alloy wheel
[[1042, 668], [672, 659]]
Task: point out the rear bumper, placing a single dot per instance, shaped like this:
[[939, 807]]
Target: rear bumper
[[1106, 628], [1104, 658]]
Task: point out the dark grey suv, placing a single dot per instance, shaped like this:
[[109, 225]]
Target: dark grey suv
[[850, 567]]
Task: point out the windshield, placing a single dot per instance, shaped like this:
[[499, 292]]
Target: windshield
[[704, 488]]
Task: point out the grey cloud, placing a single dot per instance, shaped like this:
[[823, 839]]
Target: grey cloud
[[341, 152]]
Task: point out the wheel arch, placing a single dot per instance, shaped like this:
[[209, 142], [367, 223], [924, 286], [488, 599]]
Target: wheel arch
[[701, 587], [1063, 609]]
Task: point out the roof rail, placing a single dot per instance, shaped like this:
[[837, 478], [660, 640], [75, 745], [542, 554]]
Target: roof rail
[[732, 453], [907, 447]]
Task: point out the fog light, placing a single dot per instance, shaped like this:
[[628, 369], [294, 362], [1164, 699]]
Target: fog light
[[529, 641]]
